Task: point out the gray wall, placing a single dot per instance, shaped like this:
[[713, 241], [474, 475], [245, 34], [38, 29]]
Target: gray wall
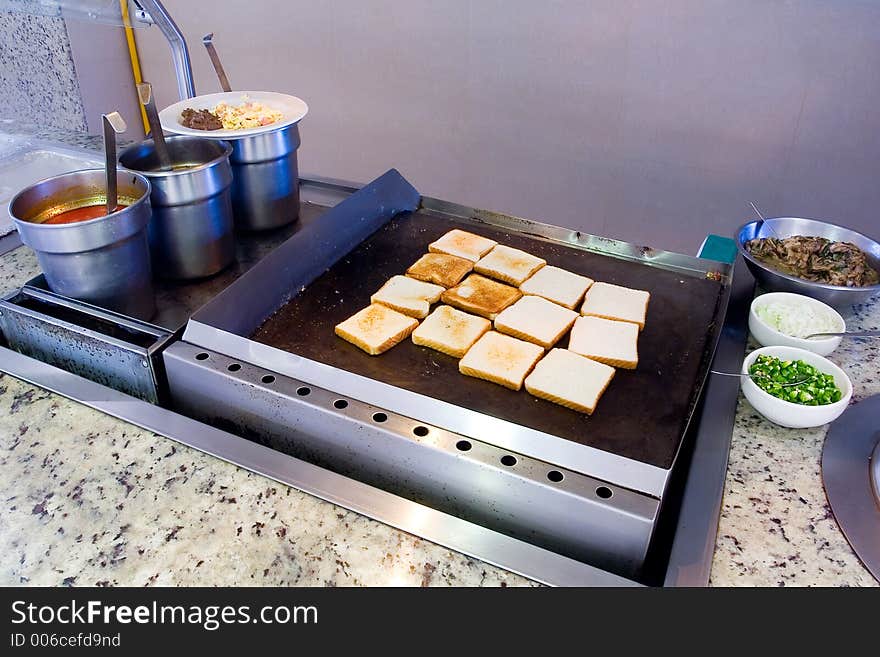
[[652, 121]]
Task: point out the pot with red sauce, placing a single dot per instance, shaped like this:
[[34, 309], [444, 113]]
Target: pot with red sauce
[[84, 252]]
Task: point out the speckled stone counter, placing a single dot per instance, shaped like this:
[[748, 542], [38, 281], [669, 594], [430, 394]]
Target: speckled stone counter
[[86, 499]]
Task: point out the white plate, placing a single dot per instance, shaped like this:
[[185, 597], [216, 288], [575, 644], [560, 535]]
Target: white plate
[[292, 110]]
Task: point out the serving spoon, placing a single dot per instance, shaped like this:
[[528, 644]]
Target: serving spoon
[[845, 334], [764, 221], [113, 124], [753, 378], [208, 41], [145, 94]]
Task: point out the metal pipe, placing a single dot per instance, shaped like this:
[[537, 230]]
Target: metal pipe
[[152, 11]]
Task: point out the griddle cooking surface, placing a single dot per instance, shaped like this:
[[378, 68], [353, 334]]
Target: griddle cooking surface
[[642, 415]]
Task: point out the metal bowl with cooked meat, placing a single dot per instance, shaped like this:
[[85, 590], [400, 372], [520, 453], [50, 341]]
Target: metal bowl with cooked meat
[[774, 276]]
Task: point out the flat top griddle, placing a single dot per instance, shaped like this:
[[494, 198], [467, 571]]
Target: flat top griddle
[[643, 414]]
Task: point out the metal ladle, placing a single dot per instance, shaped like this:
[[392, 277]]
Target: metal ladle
[[208, 41], [113, 124], [145, 94]]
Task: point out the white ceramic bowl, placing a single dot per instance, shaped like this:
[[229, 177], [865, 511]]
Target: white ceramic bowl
[[768, 336], [789, 414]]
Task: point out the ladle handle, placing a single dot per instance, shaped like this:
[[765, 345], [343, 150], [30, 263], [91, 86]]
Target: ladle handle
[[145, 93], [113, 123], [208, 41]]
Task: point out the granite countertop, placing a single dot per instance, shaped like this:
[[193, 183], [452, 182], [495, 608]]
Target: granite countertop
[[91, 500]]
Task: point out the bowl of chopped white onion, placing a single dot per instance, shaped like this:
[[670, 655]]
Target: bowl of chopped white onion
[[783, 319]]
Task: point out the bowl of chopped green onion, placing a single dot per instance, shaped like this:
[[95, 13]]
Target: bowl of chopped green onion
[[794, 387]]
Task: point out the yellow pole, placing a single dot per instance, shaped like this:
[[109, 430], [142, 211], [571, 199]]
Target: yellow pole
[[133, 56]]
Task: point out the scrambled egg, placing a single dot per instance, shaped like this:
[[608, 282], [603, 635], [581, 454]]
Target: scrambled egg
[[250, 114]]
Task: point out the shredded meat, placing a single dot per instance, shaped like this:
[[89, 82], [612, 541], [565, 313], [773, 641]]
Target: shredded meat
[[200, 119], [816, 259]]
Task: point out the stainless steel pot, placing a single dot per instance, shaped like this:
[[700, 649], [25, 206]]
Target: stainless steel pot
[[265, 187], [191, 232], [105, 261], [837, 296]]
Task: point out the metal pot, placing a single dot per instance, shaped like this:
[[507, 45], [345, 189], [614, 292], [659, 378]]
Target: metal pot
[[105, 261], [265, 187], [191, 232]]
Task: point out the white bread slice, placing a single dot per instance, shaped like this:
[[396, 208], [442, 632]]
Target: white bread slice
[[408, 296], [376, 328], [557, 285], [462, 244], [606, 340], [451, 331], [481, 296], [509, 265], [570, 380], [440, 269], [616, 302], [537, 320], [500, 359]]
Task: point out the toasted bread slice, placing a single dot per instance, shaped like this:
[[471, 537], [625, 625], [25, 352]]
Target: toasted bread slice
[[462, 244], [615, 302], [565, 378], [606, 340], [408, 296], [509, 265], [557, 285], [376, 328], [481, 296], [500, 359], [537, 320], [451, 331], [440, 269]]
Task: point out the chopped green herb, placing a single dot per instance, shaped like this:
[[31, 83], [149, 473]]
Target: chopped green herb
[[776, 376]]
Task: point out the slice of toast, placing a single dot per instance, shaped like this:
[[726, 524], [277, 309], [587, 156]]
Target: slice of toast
[[565, 378], [440, 269], [481, 296], [500, 359], [408, 296], [537, 320], [509, 265], [376, 328], [615, 302], [606, 340], [451, 331], [462, 244], [557, 285]]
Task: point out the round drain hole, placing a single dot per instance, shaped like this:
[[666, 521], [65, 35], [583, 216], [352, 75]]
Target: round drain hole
[[340, 403], [604, 492], [421, 431], [268, 379], [302, 392], [379, 417], [508, 460], [555, 476], [462, 445], [234, 367], [202, 356]]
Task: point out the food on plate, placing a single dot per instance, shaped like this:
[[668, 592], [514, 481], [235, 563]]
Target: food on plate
[[537, 320], [376, 328], [200, 119], [777, 377], [481, 296], [816, 259], [250, 114], [566, 378], [451, 331], [797, 320], [615, 302], [557, 285], [440, 269], [84, 213], [500, 359], [462, 244], [408, 296], [509, 265], [606, 340]]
